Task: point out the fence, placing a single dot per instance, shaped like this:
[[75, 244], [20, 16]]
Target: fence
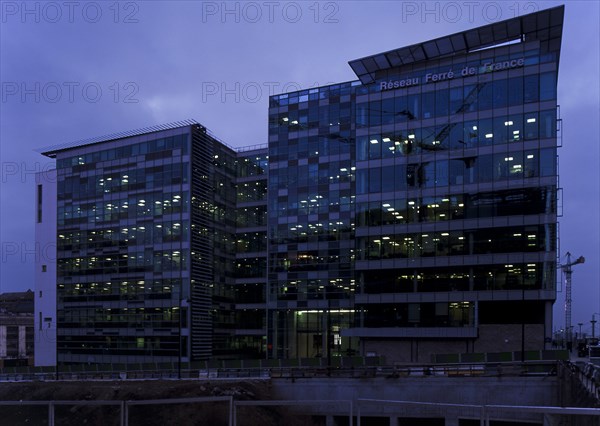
[[356, 410], [129, 372], [537, 355]]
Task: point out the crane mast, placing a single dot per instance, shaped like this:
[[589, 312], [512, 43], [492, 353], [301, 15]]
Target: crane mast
[[567, 268]]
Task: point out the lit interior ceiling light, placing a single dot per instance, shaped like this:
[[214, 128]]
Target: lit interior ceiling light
[[489, 135], [508, 123], [474, 127], [508, 158], [386, 140], [531, 120], [530, 156], [374, 141], [411, 136]]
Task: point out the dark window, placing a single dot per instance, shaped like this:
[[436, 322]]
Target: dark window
[[375, 180], [515, 91], [429, 104], [39, 203], [500, 93], [375, 113], [485, 96], [441, 103], [531, 89], [547, 86]]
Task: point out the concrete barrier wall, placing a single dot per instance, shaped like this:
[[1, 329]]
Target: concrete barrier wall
[[540, 391]]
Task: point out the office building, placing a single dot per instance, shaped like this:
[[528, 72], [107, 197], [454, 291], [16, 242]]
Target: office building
[[145, 248], [410, 212], [414, 211]]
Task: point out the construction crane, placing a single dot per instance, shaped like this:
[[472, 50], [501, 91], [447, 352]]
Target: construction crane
[[568, 272]]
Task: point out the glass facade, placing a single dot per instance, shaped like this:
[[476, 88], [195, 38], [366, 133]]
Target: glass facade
[[123, 250], [413, 204], [162, 248], [249, 291], [311, 222]]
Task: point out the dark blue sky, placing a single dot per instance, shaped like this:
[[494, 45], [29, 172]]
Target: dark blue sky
[[70, 71]]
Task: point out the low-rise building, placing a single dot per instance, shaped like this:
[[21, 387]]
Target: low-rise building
[[16, 328]]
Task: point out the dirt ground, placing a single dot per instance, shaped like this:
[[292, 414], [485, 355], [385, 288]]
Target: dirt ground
[[206, 413]]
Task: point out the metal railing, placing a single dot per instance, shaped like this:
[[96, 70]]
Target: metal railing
[[124, 406], [483, 413], [526, 368], [353, 408]]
